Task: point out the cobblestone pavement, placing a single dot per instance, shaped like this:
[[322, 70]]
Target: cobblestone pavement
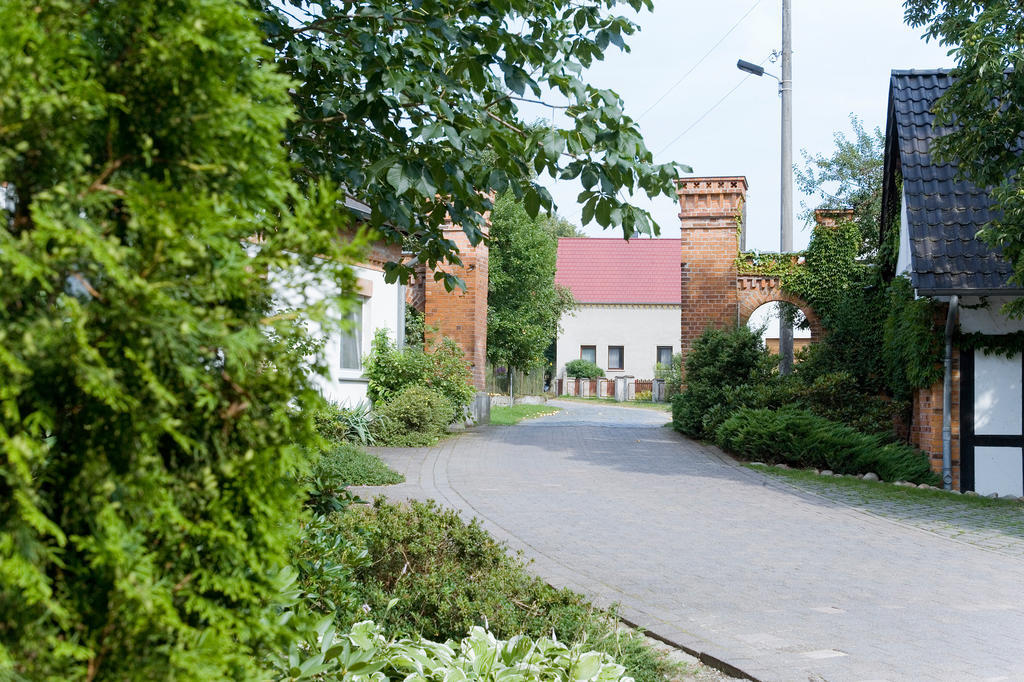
[[996, 525], [723, 560]]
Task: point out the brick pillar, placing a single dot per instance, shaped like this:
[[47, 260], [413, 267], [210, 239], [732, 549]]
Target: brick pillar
[[710, 209], [461, 315]]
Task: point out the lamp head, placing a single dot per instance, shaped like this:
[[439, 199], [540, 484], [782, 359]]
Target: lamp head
[[750, 67]]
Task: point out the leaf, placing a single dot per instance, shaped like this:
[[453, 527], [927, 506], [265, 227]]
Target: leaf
[[398, 179]]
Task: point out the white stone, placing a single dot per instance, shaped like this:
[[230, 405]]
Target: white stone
[[826, 472], [870, 476]]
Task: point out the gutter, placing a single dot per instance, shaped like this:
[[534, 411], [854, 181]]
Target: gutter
[[947, 396]]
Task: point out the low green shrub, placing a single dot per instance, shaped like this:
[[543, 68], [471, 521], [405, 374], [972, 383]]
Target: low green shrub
[[584, 369], [338, 467], [417, 416], [390, 370], [427, 572], [800, 438], [672, 374], [352, 424], [643, 396], [366, 652]]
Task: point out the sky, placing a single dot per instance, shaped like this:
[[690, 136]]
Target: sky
[[843, 53]]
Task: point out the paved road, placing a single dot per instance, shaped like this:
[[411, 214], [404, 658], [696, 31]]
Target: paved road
[[781, 583]]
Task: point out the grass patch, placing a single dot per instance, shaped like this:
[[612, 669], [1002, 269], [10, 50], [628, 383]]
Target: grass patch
[[645, 404], [346, 464], [880, 491], [513, 414]]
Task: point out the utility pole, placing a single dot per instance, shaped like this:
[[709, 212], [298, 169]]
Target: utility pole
[[786, 241]]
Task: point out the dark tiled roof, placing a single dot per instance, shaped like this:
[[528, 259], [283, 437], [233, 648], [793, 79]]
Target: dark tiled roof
[[943, 213]]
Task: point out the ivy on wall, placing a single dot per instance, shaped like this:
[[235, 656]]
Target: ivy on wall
[[912, 340], [1005, 345]]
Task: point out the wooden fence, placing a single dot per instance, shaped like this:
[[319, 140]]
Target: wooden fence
[[531, 383]]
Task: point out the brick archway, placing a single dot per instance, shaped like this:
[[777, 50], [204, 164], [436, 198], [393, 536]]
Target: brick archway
[[753, 291], [713, 293]]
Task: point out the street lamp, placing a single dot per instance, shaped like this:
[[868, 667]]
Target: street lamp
[[786, 214]]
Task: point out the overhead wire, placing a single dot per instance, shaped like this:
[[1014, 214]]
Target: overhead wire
[[710, 109], [700, 61]]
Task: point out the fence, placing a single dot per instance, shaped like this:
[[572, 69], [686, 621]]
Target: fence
[[531, 383], [628, 388]]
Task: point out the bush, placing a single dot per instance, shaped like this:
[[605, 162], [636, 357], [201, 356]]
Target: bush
[[800, 438], [319, 652], [584, 369], [447, 577], [390, 370], [643, 396], [672, 374], [417, 416], [720, 362], [345, 424]]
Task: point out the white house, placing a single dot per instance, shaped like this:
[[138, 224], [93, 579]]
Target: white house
[[380, 306], [628, 304]]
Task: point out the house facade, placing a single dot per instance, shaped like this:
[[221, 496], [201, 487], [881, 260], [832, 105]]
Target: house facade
[[628, 302], [972, 423]]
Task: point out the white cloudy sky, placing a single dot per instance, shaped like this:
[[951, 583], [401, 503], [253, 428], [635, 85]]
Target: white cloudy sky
[[843, 53]]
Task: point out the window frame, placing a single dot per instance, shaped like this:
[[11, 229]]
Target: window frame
[[354, 336], [592, 348], [622, 358], [657, 355]]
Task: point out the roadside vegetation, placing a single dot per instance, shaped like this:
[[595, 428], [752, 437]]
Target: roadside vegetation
[[645, 404], [513, 414]]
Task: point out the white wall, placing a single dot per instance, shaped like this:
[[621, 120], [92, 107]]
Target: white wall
[[384, 308], [988, 319], [640, 329], [380, 311]]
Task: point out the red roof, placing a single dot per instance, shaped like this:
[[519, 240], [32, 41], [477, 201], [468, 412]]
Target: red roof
[[617, 271]]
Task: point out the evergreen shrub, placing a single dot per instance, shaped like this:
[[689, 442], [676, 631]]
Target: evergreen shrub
[[721, 362], [800, 438]]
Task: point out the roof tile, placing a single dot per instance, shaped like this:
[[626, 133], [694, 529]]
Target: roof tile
[[618, 271]]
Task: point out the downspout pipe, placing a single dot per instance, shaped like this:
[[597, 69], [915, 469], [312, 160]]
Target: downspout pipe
[[947, 396]]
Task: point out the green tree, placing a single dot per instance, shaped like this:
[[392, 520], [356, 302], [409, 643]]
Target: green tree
[[524, 306], [414, 107], [150, 402], [559, 227], [986, 103], [850, 178]]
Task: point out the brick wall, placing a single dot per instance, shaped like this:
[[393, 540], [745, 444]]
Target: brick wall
[[461, 315], [926, 422], [708, 213]]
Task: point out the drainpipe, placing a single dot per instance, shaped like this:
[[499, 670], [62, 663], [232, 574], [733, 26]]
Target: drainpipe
[[947, 397]]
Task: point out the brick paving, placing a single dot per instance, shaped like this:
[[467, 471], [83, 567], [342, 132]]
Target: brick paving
[[781, 583]]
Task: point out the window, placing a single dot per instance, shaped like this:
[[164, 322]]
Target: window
[[615, 357], [588, 353], [352, 340], [665, 355]]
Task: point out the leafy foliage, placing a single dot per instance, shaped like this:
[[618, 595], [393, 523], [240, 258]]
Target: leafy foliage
[[584, 369], [912, 342], [319, 652], [799, 438], [850, 178], [426, 571], [414, 108], [390, 370], [982, 113], [720, 362], [150, 403], [672, 374], [347, 464], [524, 305], [416, 416], [339, 424]]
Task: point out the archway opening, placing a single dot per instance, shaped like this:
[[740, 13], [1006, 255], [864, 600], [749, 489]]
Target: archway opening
[[766, 318]]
